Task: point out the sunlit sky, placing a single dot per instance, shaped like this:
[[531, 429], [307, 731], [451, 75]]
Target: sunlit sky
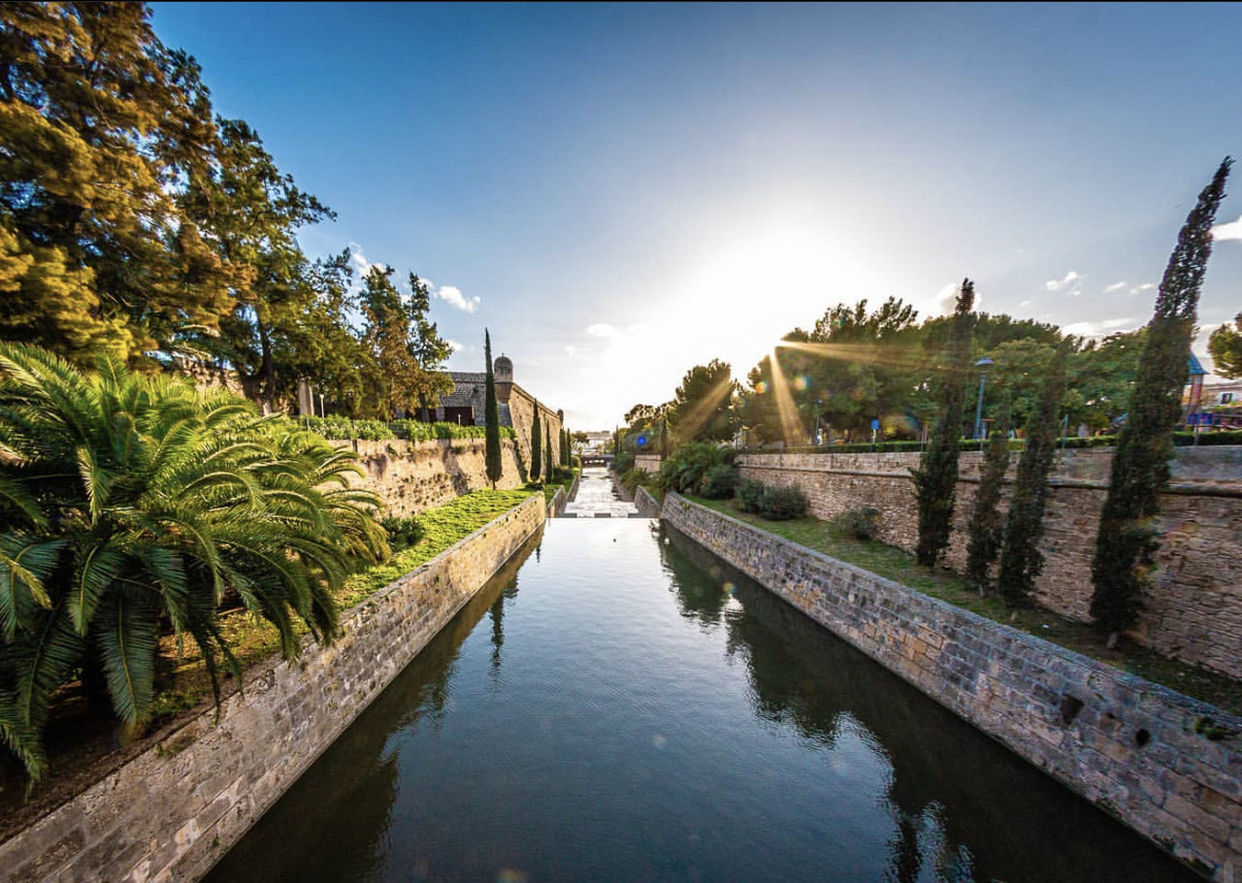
[[621, 192]]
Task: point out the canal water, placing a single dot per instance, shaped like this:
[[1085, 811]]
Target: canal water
[[620, 705]]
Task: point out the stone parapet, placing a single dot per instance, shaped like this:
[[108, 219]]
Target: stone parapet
[[1165, 764], [172, 811]]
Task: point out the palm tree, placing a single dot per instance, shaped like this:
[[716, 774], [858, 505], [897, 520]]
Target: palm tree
[[128, 502]]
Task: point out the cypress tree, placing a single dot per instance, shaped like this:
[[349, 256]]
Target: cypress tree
[[986, 523], [548, 463], [936, 478], [1021, 561], [564, 447], [536, 449], [491, 412], [1127, 542]]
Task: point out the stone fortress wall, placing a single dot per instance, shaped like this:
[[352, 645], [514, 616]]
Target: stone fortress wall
[[1194, 611], [413, 476], [1144, 753]]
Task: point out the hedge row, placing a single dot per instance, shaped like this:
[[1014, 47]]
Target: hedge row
[[344, 428]]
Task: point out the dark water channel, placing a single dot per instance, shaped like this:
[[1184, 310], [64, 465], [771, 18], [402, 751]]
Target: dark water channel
[[622, 706]]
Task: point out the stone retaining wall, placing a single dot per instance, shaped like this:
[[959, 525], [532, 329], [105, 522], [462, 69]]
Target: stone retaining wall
[[413, 476], [1139, 750], [1194, 611], [173, 810], [647, 505]]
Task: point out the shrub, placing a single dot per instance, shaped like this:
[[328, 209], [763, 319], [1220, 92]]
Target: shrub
[[635, 478], [718, 482], [336, 427], [131, 504], [685, 469], [859, 522], [623, 463], [782, 503], [749, 495], [402, 532]]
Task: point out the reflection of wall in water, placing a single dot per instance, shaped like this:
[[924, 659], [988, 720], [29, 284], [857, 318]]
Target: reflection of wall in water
[[951, 786]]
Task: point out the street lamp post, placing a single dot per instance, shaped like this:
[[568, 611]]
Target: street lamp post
[[983, 363]]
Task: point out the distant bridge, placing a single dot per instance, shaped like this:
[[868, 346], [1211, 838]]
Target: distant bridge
[[596, 459]]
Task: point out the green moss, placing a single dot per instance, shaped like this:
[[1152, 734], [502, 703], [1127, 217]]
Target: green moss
[[901, 566]]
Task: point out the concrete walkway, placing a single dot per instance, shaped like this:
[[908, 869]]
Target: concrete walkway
[[598, 498]]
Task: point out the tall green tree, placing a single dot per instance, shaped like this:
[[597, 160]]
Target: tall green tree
[[1225, 348], [100, 124], [986, 529], [1127, 539], [287, 319], [429, 349], [386, 334], [936, 478], [491, 416], [702, 407], [1021, 561], [536, 447], [549, 465], [131, 505]]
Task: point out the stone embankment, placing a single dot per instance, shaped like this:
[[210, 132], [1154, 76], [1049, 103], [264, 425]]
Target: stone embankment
[[172, 811], [1167, 765], [648, 506], [1194, 609]]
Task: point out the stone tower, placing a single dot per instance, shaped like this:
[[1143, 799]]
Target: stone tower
[[502, 368]]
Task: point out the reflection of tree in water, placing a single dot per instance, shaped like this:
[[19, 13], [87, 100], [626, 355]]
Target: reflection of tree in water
[[962, 806], [497, 614], [344, 800]]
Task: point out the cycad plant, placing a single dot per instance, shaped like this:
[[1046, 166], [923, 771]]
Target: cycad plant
[[131, 504]]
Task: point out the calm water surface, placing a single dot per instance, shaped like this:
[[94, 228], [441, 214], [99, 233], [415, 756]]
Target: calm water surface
[[619, 705]]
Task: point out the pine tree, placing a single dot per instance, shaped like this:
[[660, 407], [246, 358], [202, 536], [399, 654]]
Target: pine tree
[[1021, 561], [536, 448], [1127, 541], [491, 417], [101, 125], [936, 477], [547, 456], [986, 522]]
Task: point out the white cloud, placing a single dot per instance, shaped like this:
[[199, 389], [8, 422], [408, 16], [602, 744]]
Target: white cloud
[[571, 350], [361, 265], [1025, 303], [1099, 329], [1231, 230], [452, 295], [1070, 283], [1139, 289], [1116, 286], [457, 347]]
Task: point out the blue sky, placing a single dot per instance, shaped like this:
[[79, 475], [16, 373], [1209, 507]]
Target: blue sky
[[620, 192]]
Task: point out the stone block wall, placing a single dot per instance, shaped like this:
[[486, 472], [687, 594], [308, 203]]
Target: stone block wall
[[172, 811], [1139, 750], [413, 476], [522, 417], [647, 505], [1194, 611]]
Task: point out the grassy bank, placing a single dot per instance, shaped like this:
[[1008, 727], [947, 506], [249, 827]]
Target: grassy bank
[[900, 566], [252, 638]]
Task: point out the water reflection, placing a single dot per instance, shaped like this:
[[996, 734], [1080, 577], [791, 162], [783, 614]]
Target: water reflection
[[343, 813], [962, 807]]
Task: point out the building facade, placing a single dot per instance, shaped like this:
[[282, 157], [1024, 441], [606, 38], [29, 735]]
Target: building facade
[[465, 406]]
